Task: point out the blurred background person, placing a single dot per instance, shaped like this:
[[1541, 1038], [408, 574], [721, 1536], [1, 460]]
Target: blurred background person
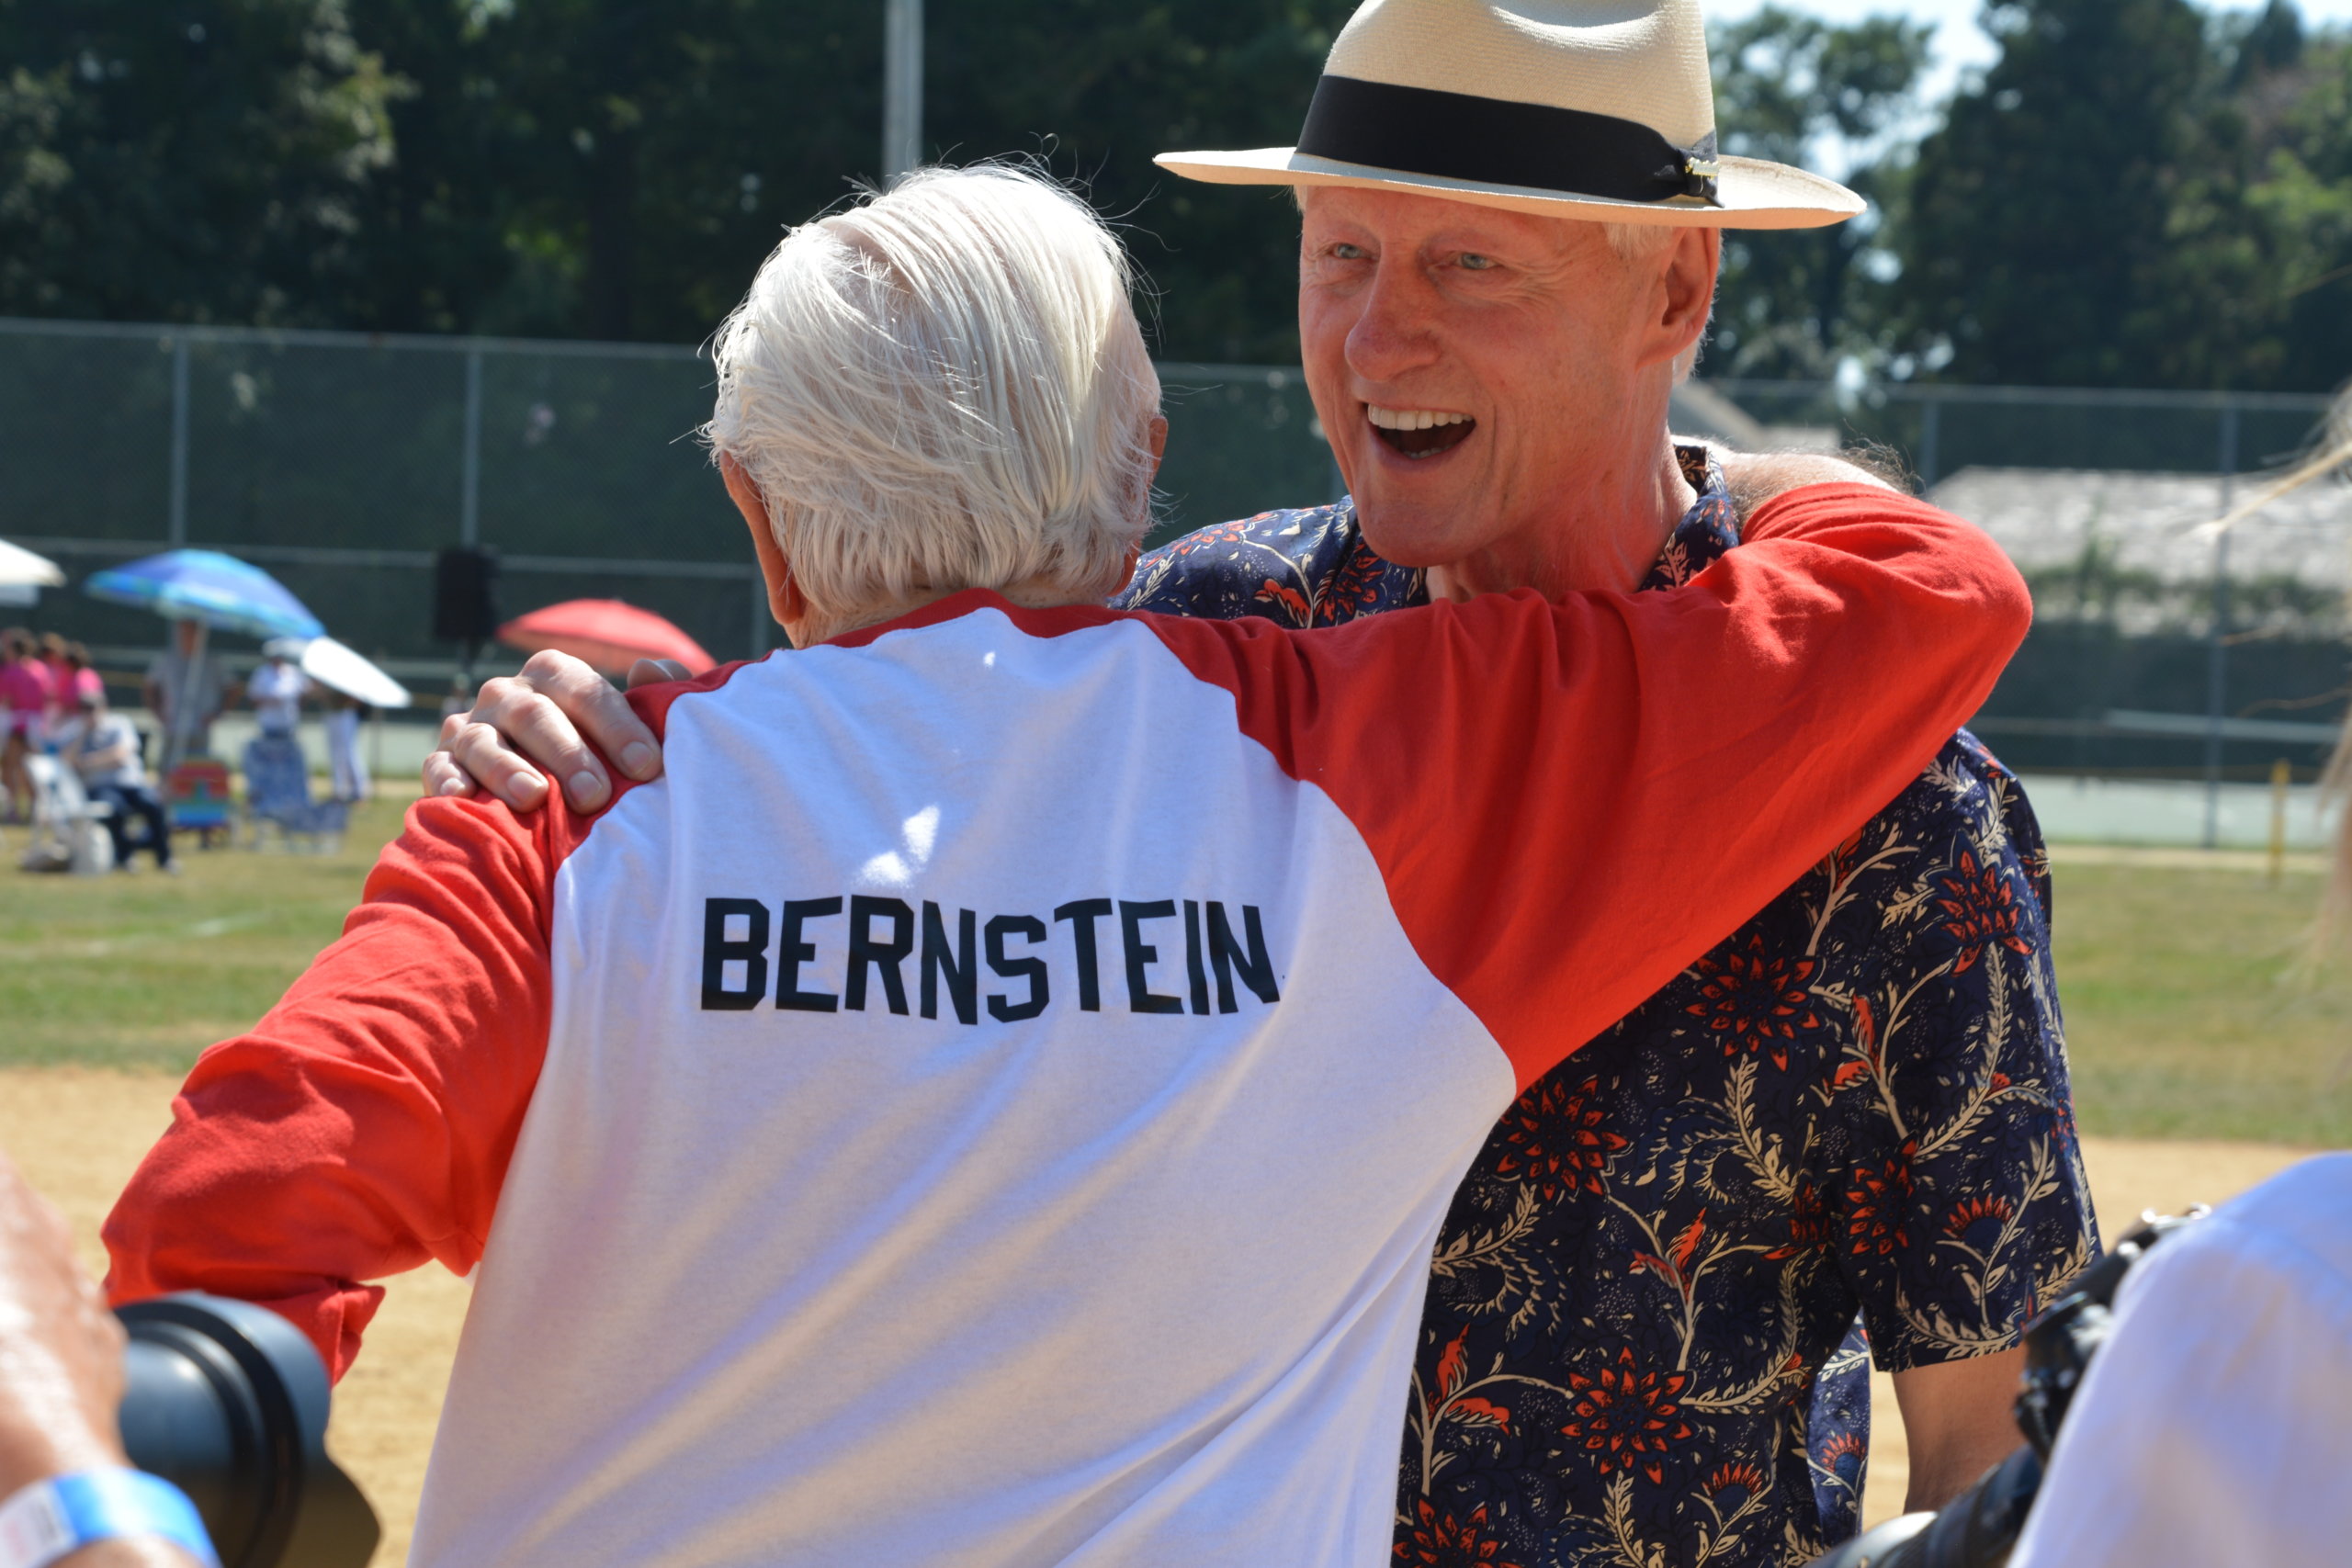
[[185, 688], [101, 747], [277, 687], [57, 654], [28, 698], [82, 680], [345, 756]]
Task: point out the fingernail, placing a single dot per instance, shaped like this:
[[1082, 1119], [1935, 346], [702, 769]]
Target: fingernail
[[636, 758], [586, 787], [453, 786], [525, 784]]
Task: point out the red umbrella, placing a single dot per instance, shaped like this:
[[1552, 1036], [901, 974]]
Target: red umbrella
[[606, 633]]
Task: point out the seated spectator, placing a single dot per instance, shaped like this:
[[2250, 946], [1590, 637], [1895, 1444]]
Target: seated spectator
[[102, 748]]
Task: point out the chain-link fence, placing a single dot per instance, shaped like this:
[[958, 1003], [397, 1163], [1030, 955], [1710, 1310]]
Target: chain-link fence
[[343, 463]]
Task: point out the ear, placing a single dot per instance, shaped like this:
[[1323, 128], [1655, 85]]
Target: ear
[[786, 602], [1158, 436], [1685, 294]]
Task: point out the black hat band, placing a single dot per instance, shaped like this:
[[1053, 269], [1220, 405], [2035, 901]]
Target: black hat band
[[1457, 136]]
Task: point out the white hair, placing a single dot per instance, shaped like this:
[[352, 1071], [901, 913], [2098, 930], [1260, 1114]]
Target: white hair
[[1637, 241], [943, 388]]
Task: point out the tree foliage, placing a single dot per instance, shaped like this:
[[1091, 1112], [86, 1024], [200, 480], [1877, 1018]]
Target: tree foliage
[[2136, 193], [190, 162], [1795, 302]]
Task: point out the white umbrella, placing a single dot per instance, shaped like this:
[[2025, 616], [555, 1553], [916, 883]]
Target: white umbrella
[[330, 664], [19, 568]]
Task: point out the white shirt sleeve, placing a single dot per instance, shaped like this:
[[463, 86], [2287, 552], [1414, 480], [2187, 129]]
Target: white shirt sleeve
[[2215, 1426]]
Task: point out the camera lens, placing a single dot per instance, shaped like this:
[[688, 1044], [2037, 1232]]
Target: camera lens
[[228, 1402]]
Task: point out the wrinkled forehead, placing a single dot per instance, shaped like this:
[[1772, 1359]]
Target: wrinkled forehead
[[1404, 218]]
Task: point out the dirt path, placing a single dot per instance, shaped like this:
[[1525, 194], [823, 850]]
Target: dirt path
[[77, 1134]]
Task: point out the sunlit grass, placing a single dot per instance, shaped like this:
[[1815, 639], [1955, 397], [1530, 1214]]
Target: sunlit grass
[[2192, 1010], [145, 971]]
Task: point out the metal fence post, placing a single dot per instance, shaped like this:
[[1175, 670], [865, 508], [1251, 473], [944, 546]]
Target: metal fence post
[[177, 528], [470, 500], [2217, 656], [2282, 774], [902, 87], [1930, 438]]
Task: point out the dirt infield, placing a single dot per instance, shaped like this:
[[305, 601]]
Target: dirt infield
[[77, 1133]]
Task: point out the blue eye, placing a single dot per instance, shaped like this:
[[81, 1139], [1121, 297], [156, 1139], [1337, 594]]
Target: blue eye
[[1344, 252], [1471, 260]]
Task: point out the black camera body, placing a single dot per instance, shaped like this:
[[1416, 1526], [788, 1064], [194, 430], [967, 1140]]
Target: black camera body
[[228, 1402], [1977, 1528]]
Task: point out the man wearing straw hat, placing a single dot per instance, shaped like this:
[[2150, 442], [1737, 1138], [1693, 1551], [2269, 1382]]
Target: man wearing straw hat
[[1511, 218]]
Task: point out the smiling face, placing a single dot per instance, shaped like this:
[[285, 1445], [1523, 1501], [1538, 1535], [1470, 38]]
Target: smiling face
[[1494, 384]]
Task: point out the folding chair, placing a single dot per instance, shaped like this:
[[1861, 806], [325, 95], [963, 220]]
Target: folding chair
[[69, 829], [197, 794], [277, 793]]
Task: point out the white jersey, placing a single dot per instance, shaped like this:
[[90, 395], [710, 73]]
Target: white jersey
[[992, 1099]]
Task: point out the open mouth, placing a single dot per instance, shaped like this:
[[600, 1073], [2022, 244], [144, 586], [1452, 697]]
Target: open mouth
[[1419, 433]]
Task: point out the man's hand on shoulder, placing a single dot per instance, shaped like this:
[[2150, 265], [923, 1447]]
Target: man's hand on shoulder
[[547, 717], [1754, 477]]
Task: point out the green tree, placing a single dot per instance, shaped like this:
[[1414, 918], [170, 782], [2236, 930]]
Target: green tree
[[2135, 195], [1099, 86], [617, 168], [202, 161], [606, 168], [1795, 302], [2294, 105]]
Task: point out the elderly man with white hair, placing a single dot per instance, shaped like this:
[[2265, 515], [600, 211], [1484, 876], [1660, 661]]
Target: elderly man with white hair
[[880, 1139], [1858, 1102]]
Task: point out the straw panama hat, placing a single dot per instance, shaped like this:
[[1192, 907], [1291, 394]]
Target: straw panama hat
[[1599, 109]]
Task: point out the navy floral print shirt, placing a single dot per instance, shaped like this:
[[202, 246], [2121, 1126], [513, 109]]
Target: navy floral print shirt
[[1644, 1341]]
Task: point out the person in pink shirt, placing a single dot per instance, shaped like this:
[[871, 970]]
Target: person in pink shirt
[[56, 655], [28, 693], [81, 680]]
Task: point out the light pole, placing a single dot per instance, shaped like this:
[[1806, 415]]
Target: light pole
[[901, 88]]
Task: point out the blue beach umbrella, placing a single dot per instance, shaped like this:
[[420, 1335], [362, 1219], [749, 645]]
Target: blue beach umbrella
[[219, 591]]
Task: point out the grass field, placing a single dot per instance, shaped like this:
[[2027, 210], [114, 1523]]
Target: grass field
[[2193, 1009], [2188, 1014]]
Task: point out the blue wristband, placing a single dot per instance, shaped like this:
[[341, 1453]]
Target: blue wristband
[[50, 1518]]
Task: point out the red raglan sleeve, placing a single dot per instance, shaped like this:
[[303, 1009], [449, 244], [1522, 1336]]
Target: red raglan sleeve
[[1571, 801], [364, 1126]]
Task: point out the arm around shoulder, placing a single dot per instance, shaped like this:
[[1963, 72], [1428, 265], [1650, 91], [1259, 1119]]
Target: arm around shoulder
[[363, 1127], [1575, 799]]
